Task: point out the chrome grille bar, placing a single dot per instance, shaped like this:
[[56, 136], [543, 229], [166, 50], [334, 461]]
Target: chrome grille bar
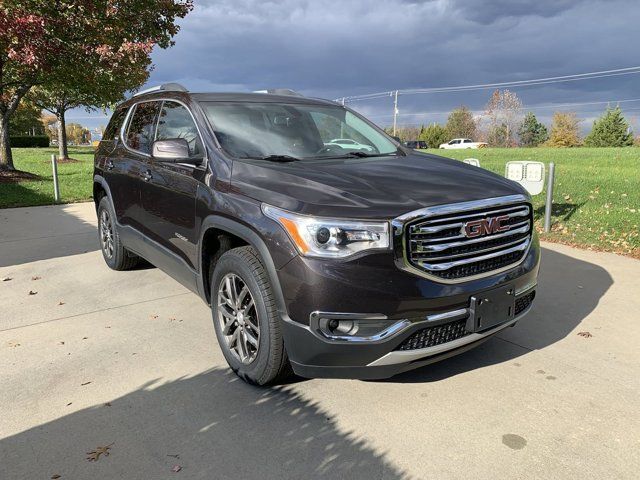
[[444, 246], [465, 261], [438, 243], [522, 211]]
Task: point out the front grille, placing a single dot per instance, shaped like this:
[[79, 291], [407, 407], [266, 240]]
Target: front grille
[[524, 301], [432, 336], [439, 245]]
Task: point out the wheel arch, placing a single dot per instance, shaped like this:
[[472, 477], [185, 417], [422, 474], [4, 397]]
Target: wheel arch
[[100, 189], [240, 234]]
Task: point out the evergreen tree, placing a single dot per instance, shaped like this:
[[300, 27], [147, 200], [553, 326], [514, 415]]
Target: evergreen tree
[[434, 135], [461, 124], [532, 132], [610, 130]]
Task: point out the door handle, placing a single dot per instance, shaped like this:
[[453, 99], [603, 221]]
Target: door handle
[[146, 175], [109, 165]]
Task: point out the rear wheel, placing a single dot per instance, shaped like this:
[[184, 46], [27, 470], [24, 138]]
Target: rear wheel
[[245, 318], [115, 255]]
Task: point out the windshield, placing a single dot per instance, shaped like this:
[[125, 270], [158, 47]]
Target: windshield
[[291, 131]]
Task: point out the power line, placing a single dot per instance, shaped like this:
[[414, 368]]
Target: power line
[[517, 83], [531, 107]]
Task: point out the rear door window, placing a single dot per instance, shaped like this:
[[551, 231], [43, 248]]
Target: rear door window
[[141, 130]]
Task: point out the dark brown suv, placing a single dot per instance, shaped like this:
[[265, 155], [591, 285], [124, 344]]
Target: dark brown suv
[[330, 260]]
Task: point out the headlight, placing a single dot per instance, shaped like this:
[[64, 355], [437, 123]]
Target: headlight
[[328, 237]]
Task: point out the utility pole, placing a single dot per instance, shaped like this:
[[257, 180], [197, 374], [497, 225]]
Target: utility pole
[[395, 111]]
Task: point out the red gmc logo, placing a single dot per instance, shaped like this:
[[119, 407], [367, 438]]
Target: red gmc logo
[[486, 226]]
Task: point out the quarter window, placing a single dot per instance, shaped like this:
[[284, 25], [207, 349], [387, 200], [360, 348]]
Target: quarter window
[[113, 129], [176, 122], [141, 126]]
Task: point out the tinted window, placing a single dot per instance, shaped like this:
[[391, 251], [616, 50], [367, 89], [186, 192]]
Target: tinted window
[[113, 129], [467, 141], [141, 126], [309, 131], [175, 122]]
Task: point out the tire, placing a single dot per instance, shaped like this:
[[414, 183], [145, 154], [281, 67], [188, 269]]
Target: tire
[[235, 322], [115, 255]]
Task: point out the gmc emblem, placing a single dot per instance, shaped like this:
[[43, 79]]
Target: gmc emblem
[[486, 226]]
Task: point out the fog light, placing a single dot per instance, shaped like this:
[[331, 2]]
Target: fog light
[[355, 327]]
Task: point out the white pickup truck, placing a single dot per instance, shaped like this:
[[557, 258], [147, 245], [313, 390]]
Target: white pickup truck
[[462, 143]]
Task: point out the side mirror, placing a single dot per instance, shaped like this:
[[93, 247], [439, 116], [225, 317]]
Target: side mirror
[[173, 150], [397, 139]]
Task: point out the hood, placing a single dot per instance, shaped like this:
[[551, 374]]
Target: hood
[[366, 188]]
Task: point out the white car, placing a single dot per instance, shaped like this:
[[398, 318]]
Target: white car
[[458, 143], [349, 144]]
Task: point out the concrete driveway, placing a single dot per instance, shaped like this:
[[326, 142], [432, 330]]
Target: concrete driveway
[[95, 358]]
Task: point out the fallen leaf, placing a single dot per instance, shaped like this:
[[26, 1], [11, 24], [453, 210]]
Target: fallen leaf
[[94, 455], [176, 468], [108, 404], [85, 383], [36, 278], [173, 455], [61, 343], [7, 279], [69, 403], [55, 477], [60, 303], [31, 292], [84, 338], [585, 334]]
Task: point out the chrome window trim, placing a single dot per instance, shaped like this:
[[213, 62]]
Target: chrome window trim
[[399, 239]]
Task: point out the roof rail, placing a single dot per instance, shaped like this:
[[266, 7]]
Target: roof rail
[[280, 91], [165, 87]]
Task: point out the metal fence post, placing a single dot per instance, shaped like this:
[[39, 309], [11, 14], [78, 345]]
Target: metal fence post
[[56, 187], [549, 204]]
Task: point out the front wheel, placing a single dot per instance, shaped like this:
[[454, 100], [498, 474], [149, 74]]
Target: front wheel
[[245, 318]]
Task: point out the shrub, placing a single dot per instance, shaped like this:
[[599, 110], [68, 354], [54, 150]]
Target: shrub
[[24, 141]]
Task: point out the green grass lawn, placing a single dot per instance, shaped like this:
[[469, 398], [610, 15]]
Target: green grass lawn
[[596, 199], [74, 178]]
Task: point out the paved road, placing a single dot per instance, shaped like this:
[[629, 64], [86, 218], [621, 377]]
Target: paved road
[[97, 358]]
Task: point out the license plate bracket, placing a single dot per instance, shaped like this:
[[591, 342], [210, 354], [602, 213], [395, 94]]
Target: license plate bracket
[[491, 308]]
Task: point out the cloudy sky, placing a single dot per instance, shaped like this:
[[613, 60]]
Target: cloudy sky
[[333, 48]]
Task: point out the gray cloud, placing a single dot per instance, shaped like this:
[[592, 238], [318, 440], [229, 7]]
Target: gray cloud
[[334, 48], [490, 11]]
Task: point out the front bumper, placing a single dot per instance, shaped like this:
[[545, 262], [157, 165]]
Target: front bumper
[[373, 285]]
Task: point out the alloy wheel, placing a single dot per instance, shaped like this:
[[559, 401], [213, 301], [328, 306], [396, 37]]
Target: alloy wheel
[[238, 319], [106, 233]]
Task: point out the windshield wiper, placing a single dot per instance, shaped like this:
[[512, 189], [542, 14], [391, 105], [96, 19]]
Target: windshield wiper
[[277, 158], [360, 154]]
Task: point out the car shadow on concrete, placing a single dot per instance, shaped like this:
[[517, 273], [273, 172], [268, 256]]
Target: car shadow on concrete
[[568, 290], [212, 425], [31, 234]]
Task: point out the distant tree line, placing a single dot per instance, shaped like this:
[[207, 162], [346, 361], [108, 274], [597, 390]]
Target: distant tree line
[[504, 124]]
